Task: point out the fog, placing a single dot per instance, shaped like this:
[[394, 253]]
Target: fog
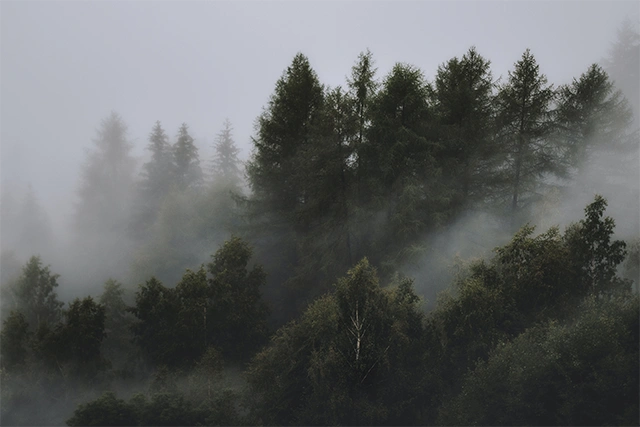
[[66, 67]]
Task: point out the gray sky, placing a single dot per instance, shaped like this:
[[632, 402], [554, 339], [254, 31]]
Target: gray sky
[[66, 65]]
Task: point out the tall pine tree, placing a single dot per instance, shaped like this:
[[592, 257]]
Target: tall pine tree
[[525, 129], [225, 163], [186, 161], [282, 183], [463, 102], [592, 115]]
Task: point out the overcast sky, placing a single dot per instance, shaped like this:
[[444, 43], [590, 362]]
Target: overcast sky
[[66, 65]]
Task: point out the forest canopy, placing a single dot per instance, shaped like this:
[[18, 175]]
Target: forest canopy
[[275, 292]]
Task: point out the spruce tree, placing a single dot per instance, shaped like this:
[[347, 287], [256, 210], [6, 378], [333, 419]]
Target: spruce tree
[[107, 180], [186, 161], [225, 163]]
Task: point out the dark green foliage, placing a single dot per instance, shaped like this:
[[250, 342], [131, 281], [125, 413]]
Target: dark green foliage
[[238, 313], [595, 256], [592, 115], [464, 105], [525, 126], [582, 373], [107, 410], [398, 145], [15, 339], [531, 280], [82, 334], [194, 321], [284, 127], [346, 361], [156, 310], [160, 409], [175, 326], [545, 332], [279, 176], [400, 180], [117, 344]]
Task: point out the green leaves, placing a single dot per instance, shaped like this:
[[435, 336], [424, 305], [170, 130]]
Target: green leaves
[[346, 361], [175, 326]]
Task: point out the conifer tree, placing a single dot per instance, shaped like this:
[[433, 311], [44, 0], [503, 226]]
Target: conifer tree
[[525, 129], [278, 184], [463, 102], [157, 172], [592, 115], [283, 183], [34, 294], [186, 161], [107, 180], [225, 163], [362, 89]]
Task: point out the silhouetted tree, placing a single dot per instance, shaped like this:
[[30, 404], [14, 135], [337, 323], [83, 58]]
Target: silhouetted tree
[[464, 105], [225, 163], [156, 180], [238, 313], [525, 127], [592, 115], [186, 161]]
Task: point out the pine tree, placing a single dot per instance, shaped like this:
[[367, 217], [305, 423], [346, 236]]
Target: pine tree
[[525, 129], [400, 177], [186, 161], [362, 89], [398, 146], [592, 115], [107, 180], [156, 178], [283, 201], [463, 102], [279, 185], [225, 163]]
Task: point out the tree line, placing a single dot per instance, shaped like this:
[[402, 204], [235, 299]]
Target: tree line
[[545, 332], [342, 186]]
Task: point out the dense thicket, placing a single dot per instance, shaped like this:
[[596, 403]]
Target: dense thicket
[[302, 315]]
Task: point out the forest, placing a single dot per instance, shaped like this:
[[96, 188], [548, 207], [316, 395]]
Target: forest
[[391, 254]]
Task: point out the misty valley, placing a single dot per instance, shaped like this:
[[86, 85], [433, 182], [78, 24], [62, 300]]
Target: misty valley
[[396, 251]]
